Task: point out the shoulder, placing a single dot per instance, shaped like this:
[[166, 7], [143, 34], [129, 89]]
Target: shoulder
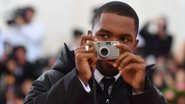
[[170, 37], [50, 77], [150, 70]]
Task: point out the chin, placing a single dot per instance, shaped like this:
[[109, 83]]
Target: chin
[[110, 62], [106, 68]]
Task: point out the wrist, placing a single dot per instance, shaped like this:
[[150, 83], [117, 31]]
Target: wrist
[[136, 93], [139, 88], [83, 79]]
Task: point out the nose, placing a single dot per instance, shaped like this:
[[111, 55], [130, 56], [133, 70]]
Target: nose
[[114, 39]]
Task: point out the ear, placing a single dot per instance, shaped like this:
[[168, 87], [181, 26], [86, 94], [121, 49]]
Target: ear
[[135, 45]]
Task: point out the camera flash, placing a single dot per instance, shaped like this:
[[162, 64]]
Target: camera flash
[[115, 44]]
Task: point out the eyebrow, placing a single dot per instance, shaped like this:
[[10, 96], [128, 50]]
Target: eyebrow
[[126, 35], [104, 30], [123, 34]]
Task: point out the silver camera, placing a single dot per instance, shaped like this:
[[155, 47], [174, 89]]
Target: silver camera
[[107, 50]]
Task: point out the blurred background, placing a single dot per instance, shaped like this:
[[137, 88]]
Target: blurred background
[[33, 32]]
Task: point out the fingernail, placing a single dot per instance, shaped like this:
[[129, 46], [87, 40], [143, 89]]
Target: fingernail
[[119, 72], [114, 65], [119, 68], [118, 44]]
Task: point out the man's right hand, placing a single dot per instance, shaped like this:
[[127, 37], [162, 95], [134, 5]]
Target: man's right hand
[[85, 60]]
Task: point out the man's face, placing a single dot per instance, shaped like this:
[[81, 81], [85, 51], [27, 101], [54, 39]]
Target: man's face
[[29, 15], [113, 27]]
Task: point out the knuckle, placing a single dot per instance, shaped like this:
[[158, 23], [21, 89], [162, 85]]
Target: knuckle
[[117, 61], [76, 52], [132, 55], [141, 59], [132, 65], [143, 65], [83, 36], [122, 62], [77, 55], [128, 53]]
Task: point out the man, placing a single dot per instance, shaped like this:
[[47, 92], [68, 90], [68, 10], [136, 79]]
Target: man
[[33, 33], [72, 81], [1, 45], [75, 39], [159, 43]]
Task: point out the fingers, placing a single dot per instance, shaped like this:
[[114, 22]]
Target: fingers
[[84, 39], [89, 56], [85, 56], [86, 48], [120, 58], [127, 58], [130, 58], [133, 68], [124, 48], [83, 50], [134, 74]]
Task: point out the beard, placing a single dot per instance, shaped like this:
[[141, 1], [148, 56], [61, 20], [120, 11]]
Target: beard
[[106, 68]]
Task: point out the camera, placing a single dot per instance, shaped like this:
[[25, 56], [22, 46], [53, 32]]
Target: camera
[[107, 50]]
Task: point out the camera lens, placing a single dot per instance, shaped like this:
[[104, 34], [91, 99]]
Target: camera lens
[[104, 52]]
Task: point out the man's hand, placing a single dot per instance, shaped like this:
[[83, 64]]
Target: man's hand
[[131, 67], [85, 59]]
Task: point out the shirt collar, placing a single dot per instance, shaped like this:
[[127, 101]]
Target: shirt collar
[[98, 76]]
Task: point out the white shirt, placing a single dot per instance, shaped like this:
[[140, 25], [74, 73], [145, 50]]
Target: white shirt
[[34, 35], [30, 36], [98, 77], [1, 45]]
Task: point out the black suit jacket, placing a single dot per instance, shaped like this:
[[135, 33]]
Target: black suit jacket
[[62, 86]]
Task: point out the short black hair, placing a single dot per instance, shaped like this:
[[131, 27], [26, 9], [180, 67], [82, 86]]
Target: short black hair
[[29, 8], [77, 33], [16, 48], [119, 8]]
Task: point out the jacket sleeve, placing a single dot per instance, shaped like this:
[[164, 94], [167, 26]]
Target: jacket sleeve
[[54, 88], [151, 94]]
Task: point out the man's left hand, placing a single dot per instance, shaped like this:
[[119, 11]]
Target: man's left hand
[[132, 68]]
